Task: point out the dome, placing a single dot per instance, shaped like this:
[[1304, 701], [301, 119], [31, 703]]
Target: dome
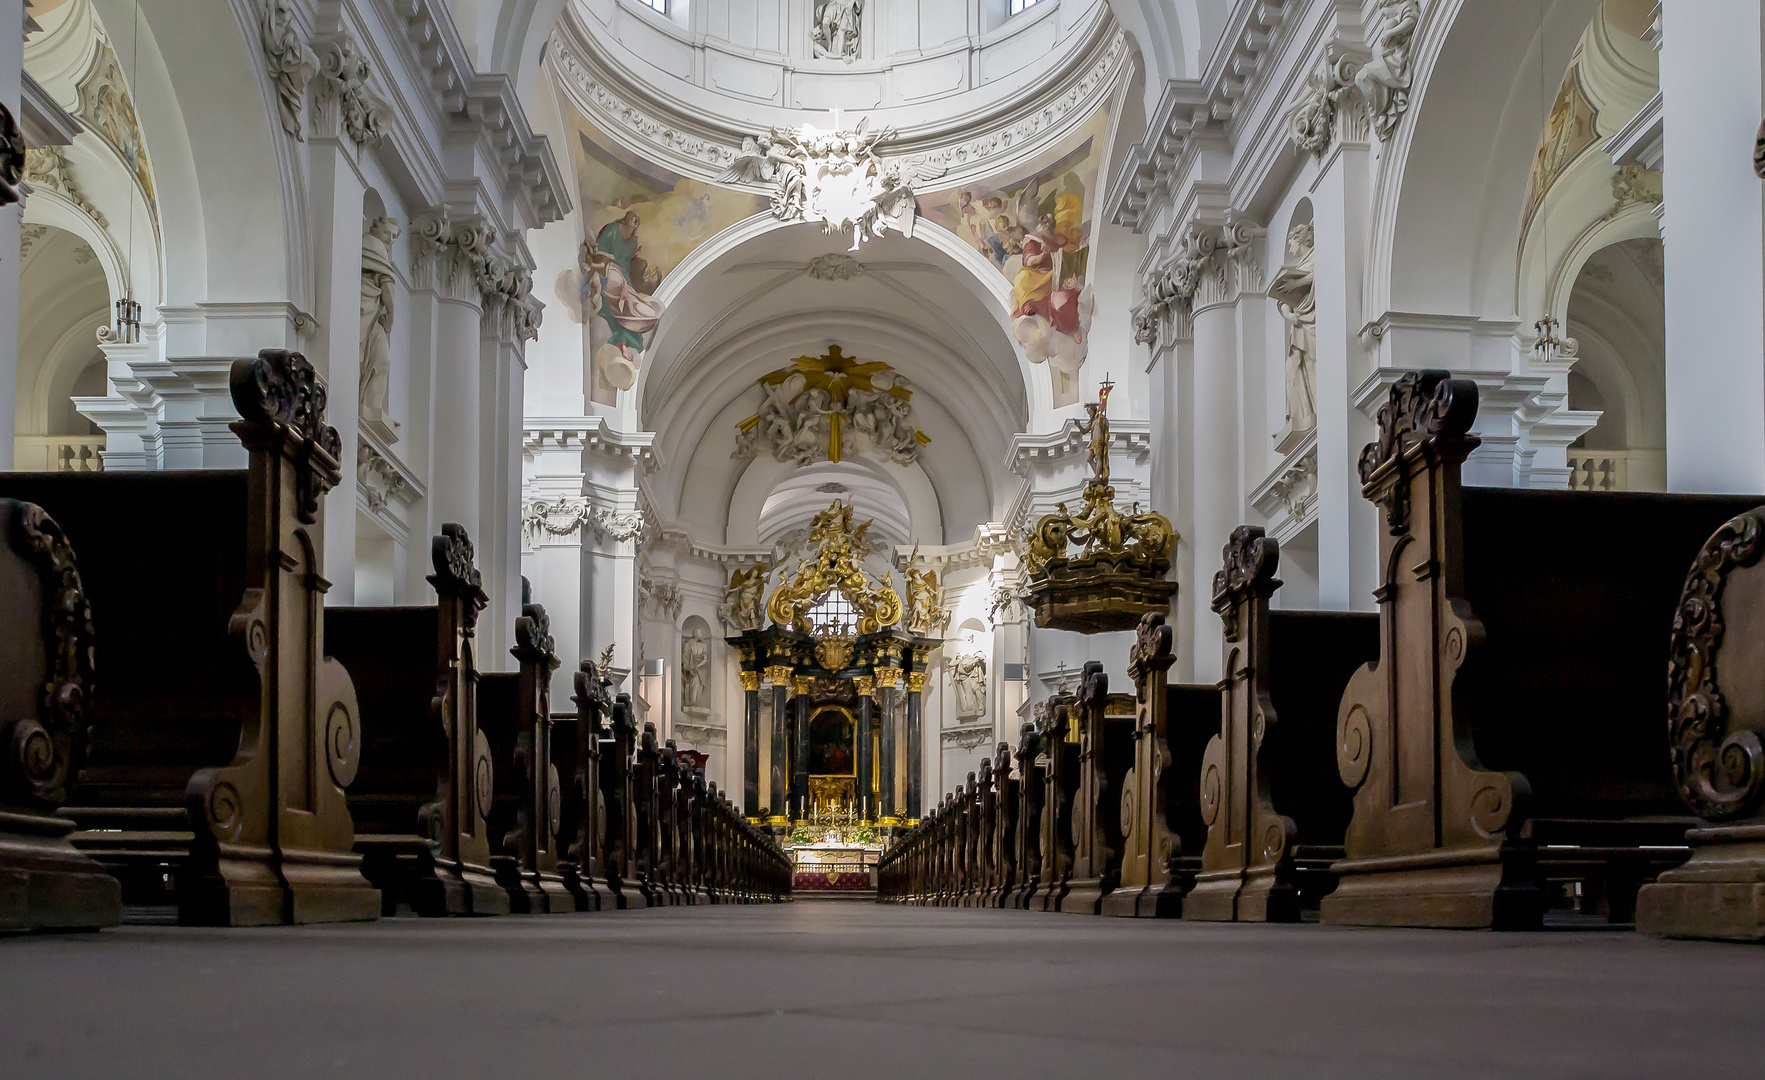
[[923, 67]]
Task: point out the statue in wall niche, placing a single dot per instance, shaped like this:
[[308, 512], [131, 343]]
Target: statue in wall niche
[[968, 678], [1295, 298], [695, 669], [376, 337], [835, 36]]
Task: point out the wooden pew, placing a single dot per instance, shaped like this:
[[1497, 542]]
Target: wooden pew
[[1164, 832], [585, 805], [47, 664], [1061, 739], [1106, 754], [428, 773], [514, 713], [1003, 838], [622, 827], [1506, 742], [1715, 733], [1274, 806], [226, 736], [1032, 795]]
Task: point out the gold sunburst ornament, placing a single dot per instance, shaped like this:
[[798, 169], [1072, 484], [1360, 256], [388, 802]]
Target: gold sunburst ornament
[[814, 408]]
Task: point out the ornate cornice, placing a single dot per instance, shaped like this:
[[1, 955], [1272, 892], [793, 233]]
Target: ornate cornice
[[344, 106], [672, 133], [1215, 264]]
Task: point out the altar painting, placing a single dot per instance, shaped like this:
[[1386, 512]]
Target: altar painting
[[1034, 224], [639, 222]]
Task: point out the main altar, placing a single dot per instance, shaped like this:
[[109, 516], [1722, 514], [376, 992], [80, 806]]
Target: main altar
[[832, 734]]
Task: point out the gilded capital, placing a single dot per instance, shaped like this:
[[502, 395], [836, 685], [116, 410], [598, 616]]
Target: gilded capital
[[915, 681], [750, 680], [866, 684], [888, 677], [780, 674], [801, 685]]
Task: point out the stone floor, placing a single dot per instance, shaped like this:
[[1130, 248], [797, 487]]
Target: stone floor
[[855, 991]]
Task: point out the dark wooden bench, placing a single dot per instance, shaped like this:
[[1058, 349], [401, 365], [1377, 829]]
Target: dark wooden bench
[[622, 830], [427, 777], [1061, 739], [1106, 756], [1032, 788], [1164, 831], [1274, 806], [526, 815], [576, 747], [47, 667], [1715, 737], [224, 740], [1506, 744]]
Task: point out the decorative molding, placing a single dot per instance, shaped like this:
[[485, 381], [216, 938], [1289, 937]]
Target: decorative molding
[[660, 596], [834, 266], [675, 134], [1214, 264], [46, 168], [566, 515], [1384, 81], [292, 61], [379, 481], [813, 409], [344, 103], [966, 737], [834, 177], [1288, 499], [107, 108]]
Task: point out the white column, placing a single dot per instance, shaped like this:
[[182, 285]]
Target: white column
[[1347, 540], [454, 477], [1713, 94], [1217, 484], [11, 66], [334, 206], [499, 483]]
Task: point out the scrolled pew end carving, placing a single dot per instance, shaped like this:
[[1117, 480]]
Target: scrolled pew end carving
[[1715, 720]]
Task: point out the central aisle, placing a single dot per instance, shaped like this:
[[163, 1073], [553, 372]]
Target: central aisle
[[855, 991]]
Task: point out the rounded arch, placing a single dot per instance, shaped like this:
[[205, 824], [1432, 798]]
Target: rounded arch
[[229, 180], [1453, 178], [980, 279]]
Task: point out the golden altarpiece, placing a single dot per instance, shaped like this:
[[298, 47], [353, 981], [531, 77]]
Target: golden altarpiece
[[833, 740]]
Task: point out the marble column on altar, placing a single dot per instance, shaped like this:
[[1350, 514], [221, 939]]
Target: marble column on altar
[[799, 812], [750, 744], [888, 805], [779, 784], [866, 759], [915, 749]]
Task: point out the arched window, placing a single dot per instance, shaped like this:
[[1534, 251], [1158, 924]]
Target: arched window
[[833, 616]]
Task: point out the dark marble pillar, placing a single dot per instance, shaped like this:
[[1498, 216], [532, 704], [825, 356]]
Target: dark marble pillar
[[915, 763], [750, 744], [799, 804], [888, 807], [866, 758], [778, 795]]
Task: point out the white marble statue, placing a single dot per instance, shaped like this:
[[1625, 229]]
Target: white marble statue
[[968, 678], [695, 669], [376, 333], [1296, 299]]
